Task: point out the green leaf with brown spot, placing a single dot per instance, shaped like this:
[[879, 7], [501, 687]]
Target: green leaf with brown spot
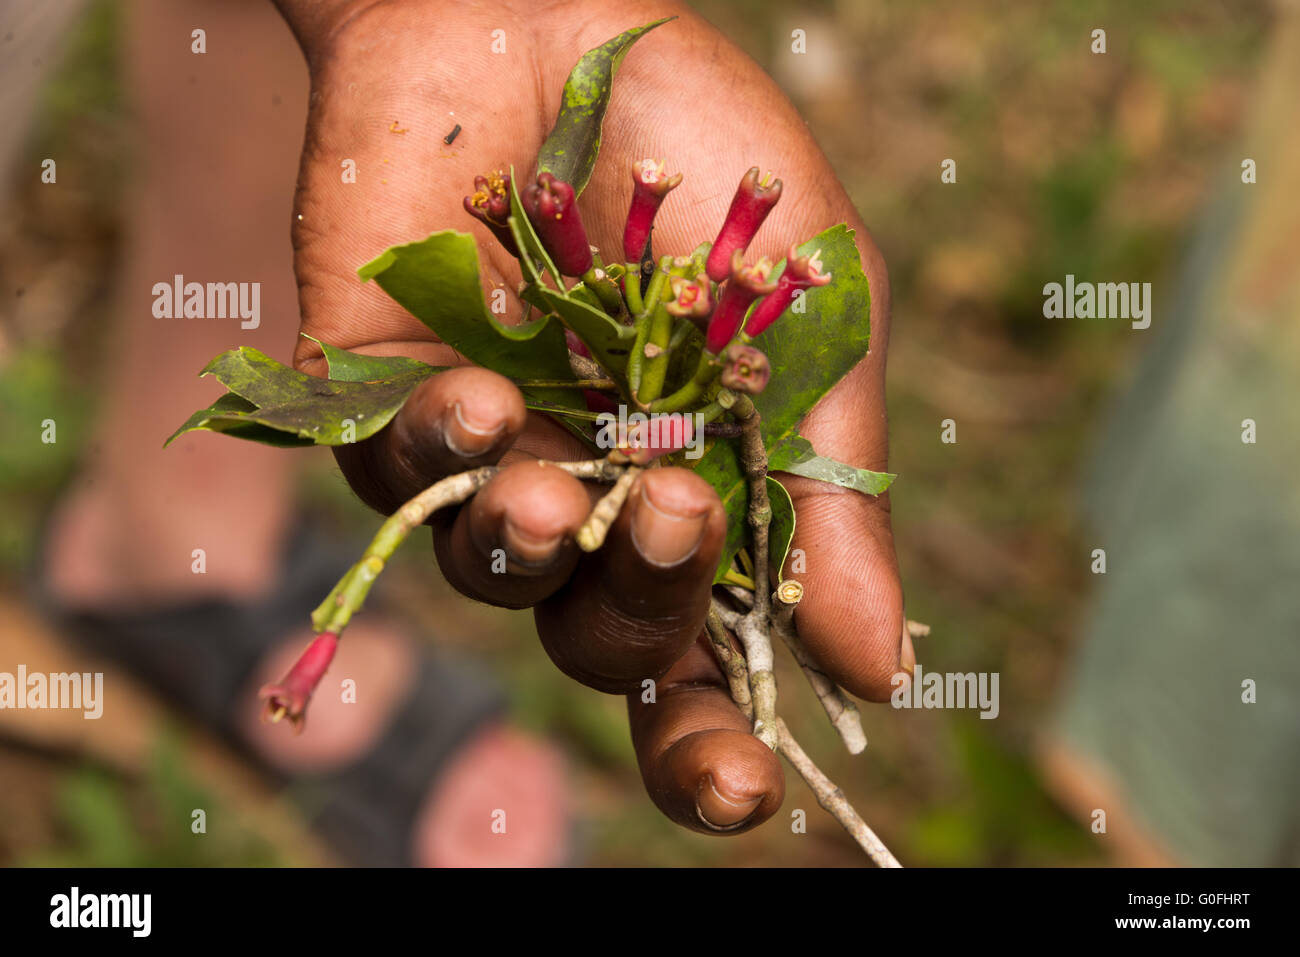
[[570, 150], [272, 403]]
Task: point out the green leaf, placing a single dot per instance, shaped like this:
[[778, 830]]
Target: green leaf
[[796, 456], [809, 353], [270, 402], [232, 415], [354, 367], [781, 531], [569, 153], [437, 281], [609, 341]]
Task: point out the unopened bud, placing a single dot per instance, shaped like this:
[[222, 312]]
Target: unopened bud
[[801, 272], [650, 184], [749, 207], [552, 208], [745, 369]]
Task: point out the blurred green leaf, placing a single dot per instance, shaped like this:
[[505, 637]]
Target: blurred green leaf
[[94, 809]]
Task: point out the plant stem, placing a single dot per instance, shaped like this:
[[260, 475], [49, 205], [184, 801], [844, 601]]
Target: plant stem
[[599, 384], [753, 629], [841, 711], [636, 359], [655, 369], [593, 531], [733, 577], [350, 594], [692, 391], [833, 800], [605, 290], [347, 597], [584, 368], [682, 330], [829, 796], [722, 430], [632, 289], [710, 412], [553, 409], [733, 664], [654, 292]]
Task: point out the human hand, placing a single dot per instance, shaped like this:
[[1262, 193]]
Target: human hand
[[388, 83]]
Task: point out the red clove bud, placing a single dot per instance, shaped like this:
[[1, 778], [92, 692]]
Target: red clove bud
[[490, 205], [692, 299], [660, 435], [746, 369], [747, 284], [552, 208], [650, 185], [801, 272], [289, 697], [749, 207]]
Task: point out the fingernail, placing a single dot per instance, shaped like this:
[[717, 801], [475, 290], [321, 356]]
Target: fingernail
[[719, 811], [467, 437], [907, 653], [525, 548], [664, 537]]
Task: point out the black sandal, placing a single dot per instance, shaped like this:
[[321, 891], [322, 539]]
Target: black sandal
[[201, 655]]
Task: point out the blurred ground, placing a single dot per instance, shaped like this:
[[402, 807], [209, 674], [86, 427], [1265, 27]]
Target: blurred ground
[[1067, 162]]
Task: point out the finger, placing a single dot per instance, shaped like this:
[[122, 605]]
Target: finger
[[851, 614], [457, 420], [634, 607], [513, 544], [701, 765]]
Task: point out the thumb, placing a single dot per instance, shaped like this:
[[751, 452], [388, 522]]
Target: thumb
[[851, 614]]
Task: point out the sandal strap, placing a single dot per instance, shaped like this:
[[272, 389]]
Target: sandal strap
[[356, 808], [200, 654]]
